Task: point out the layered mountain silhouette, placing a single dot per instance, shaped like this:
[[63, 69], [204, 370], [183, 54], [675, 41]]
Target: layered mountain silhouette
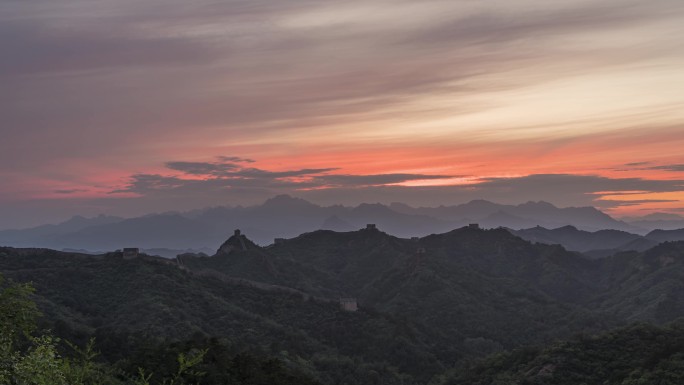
[[600, 243], [521, 216], [425, 303], [465, 275], [663, 221], [666, 235], [285, 217]]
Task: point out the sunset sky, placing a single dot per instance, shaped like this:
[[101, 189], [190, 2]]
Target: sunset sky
[[127, 107]]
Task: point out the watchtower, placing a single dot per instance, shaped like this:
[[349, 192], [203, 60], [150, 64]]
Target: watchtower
[[130, 252], [348, 304]]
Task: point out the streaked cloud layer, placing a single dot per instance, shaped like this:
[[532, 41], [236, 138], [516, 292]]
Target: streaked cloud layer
[[125, 106]]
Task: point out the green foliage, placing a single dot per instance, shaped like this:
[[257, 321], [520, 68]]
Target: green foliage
[[130, 304], [639, 354], [210, 361], [40, 363], [17, 311], [26, 359], [186, 365], [261, 315]]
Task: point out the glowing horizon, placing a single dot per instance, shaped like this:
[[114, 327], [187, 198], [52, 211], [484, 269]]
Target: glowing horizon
[[136, 106]]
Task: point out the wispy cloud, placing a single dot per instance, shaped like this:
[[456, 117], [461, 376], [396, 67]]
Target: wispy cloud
[[669, 167], [649, 166], [341, 180], [95, 88], [236, 159], [69, 191], [636, 164], [609, 203], [205, 178], [164, 70], [218, 180], [203, 168]]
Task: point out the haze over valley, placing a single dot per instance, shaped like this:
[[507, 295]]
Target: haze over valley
[[284, 216]]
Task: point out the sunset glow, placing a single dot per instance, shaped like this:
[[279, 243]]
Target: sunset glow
[[149, 106]]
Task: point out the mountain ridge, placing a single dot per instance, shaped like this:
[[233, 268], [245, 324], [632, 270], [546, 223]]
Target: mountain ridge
[[286, 216], [425, 302]]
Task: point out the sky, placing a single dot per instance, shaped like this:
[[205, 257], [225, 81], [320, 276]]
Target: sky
[[126, 107]]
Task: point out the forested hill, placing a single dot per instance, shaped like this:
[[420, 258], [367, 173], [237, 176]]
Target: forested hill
[[130, 304], [459, 279], [635, 355], [425, 304]]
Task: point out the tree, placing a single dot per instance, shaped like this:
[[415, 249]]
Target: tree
[[26, 359], [18, 314]]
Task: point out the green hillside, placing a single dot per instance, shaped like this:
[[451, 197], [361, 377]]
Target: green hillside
[[426, 306], [636, 355], [463, 285], [125, 303]]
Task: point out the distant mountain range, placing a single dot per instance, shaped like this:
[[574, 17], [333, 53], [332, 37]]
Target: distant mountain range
[[662, 221], [285, 216], [599, 243]]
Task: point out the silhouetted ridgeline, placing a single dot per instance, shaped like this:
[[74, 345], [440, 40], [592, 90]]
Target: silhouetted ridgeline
[[287, 217], [424, 304]]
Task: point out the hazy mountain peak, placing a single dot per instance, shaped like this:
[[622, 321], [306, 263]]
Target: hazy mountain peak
[[656, 217], [336, 223], [372, 208], [537, 204], [599, 243], [99, 219], [567, 228], [400, 207], [479, 203], [666, 235], [76, 218], [285, 200]]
